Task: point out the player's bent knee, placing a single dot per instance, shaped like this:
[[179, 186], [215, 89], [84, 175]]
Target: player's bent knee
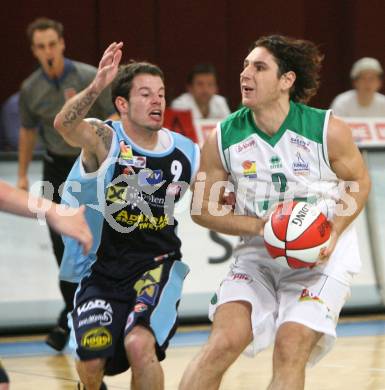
[[295, 347], [90, 367], [285, 352], [139, 345], [222, 348]]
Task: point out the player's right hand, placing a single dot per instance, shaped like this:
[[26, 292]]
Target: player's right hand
[[108, 66]]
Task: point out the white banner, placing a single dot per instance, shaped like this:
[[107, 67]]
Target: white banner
[[367, 132]]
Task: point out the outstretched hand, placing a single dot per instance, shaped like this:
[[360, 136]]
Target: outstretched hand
[[108, 66], [71, 222]]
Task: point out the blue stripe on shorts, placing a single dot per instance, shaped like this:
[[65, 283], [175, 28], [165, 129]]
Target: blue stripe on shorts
[[164, 315]]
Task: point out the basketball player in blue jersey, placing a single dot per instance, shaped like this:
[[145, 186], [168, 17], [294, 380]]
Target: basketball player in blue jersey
[[276, 142], [131, 282], [65, 221]]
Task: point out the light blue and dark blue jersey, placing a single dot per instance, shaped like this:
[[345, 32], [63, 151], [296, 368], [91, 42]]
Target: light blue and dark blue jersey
[[130, 202]]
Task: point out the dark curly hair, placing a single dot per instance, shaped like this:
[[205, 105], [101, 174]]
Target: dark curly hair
[[122, 84], [297, 55]]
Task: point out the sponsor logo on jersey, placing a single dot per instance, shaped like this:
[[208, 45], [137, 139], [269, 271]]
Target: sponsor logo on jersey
[[141, 221], [153, 200], [130, 320], [140, 307], [331, 316], [275, 162], [249, 169], [103, 319], [117, 193], [164, 257], [300, 167], [149, 177], [96, 338], [95, 304], [126, 156], [301, 143], [147, 286], [135, 161], [307, 296], [240, 276], [140, 161], [124, 194], [246, 145]]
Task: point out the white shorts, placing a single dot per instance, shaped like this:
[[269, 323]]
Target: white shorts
[[277, 295]]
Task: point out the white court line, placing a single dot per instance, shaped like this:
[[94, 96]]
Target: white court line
[[350, 367]]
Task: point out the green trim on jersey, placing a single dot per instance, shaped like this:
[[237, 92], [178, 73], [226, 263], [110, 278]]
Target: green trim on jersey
[[309, 122], [301, 119], [236, 127]]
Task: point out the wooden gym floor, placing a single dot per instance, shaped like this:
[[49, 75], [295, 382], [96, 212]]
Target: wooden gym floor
[[356, 362]]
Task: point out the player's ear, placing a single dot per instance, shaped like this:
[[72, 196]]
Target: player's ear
[[288, 79], [121, 104]]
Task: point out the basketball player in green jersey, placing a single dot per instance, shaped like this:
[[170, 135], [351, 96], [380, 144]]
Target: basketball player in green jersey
[[278, 148], [70, 222]]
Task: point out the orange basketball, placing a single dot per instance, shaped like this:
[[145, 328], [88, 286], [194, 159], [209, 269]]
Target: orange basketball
[[295, 233]]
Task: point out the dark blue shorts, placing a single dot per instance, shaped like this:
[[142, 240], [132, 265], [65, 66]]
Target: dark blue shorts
[[3, 375], [106, 311]]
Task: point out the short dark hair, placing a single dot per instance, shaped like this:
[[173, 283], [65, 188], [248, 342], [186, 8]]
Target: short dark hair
[[122, 84], [297, 55], [44, 24], [204, 68]]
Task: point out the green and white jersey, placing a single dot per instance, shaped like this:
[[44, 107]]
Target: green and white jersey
[[293, 163]]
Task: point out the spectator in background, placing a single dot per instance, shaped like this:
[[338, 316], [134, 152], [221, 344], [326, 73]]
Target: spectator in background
[[42, 95], [10, 119], [201, 98], [364, 100]]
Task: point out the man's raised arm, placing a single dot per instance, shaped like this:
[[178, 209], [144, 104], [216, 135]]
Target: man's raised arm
[[92, 136]]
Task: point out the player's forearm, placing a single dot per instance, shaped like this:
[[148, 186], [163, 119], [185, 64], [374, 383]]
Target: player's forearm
[[27, 142], [351, 204], [236, 225], [76, 109], [19, 202]]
